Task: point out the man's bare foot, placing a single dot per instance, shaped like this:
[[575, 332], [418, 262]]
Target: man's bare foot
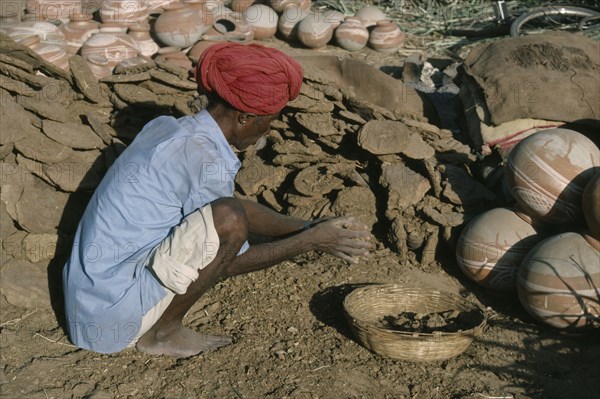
[[181, 342]]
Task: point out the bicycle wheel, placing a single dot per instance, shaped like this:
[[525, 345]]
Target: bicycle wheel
[[480, 19], [479, 29], [556, 18]]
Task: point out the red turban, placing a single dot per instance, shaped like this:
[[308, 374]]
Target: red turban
[[251, 78]]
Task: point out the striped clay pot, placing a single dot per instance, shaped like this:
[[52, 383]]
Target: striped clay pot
[[559, 283]]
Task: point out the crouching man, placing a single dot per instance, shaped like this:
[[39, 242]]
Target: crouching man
[[163, 227]]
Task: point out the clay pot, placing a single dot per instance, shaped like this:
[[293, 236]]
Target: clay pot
[[80, 28], [182, 25], [220, 11], [289, 20], [263, 20], [386, 37], [99, 65], [107, 48], [491, 247], [591, 210], [48, 33], [212, 35], [351, 34], [11, 11], [281, 5], [24, 30], [315, 31], [50, 10], [198, 48], [173, 56], [370, 15], [547, 172], [241, 5], [113, 27], [32, 18], [124, 11], [90, 6], [157, 6], [333, 17], [129, 63], [52, 53], [205, 6], [141, 34], [558, 283], [8, 22], [234, 27]]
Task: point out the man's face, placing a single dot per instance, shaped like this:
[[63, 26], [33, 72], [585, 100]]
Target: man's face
[[252, 129]]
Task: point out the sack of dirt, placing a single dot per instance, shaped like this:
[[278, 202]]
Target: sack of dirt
[[514, 87]]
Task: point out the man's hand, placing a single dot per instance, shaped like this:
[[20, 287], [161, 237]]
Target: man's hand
[[344, 237]]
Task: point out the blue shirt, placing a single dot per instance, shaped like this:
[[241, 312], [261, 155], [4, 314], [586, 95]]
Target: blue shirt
[[173, 167]]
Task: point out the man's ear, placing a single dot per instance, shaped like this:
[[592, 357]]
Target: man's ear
[[244, 117]]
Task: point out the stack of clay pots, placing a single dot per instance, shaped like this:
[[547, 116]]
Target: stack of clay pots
[[548, 247], [106, 33], [369, 26]]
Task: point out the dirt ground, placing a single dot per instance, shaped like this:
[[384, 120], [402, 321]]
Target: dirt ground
[[291, 341]]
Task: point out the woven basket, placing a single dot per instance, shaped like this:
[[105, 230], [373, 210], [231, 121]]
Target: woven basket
[[365, 308]]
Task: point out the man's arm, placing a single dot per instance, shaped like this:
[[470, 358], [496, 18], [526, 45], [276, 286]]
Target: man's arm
[[269, 223], [335, 236]]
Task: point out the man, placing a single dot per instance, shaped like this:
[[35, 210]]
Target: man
[[163, 227]]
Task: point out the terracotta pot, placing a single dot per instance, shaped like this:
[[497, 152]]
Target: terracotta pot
[[173, 56], [370, 15], [289, 20], [281, 5], [591, 210], [133, 62], [234, 27], [99, 65], [49, 10], [491, 247], [32, 18], [334, 17], [547, 172], [124, 11], [11, 10], [206, 6], [141, 34], [8, 22], [315, 31], [107, 48], [241, 5], [80, 28], [48, 33], [220, 11], [386, 37], [198, 48], [52, 53], [263, 20], [182, 25], [351, 34], [113, 27], [213, 35], [558, 283], [90, 6], [157, 6]]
